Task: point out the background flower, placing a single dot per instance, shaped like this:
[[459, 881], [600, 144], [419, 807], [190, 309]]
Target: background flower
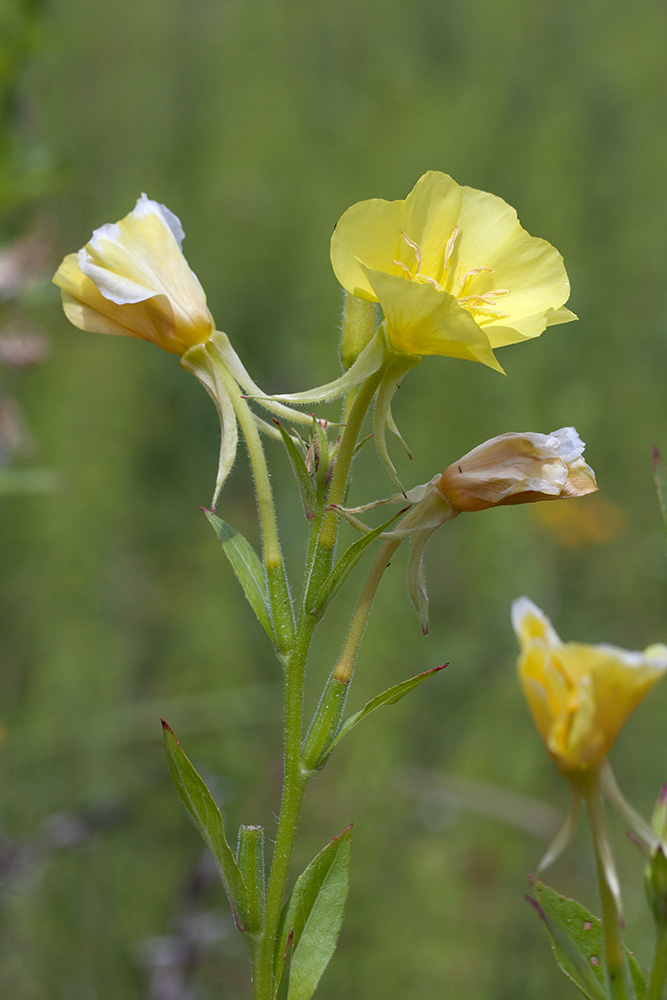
[[579, 696]]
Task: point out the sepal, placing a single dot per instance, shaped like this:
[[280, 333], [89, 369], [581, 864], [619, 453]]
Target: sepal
[[383, 421], [367, 364], [198, 361]]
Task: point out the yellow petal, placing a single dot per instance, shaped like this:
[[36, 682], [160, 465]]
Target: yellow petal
[[131, 279], [368, 232], [423, 320], [580, 696], [462, 242]]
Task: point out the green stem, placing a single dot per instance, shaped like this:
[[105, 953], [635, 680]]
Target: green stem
[[659, 971], [348, 444], [322, 541], [618, 969], [281, 605], [348, 655], [294, 786]]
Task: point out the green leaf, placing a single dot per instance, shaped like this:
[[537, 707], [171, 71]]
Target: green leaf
[[282, 992], [388, 697], [313, 914], [577, 941], [248, 569], [345, 565], [201, 806], [298, 464]]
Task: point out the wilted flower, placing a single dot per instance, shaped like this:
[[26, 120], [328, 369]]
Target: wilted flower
[[518, 468], [131, 279], [453, 270], [579, 696]]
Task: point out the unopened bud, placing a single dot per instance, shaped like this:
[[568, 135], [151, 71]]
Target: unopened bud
[[360, 319], [325, 724], [518, 468]]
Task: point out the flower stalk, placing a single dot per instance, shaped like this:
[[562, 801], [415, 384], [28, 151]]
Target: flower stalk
[[619, 979]]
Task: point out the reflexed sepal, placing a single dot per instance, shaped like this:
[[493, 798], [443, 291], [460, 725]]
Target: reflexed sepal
[[313, 914], [198, 361], [325, 724], [577, 941], [344, 567], [250, 859], [388, 697], [367, 364], [392, 376], [221, 350], [203, 810], [248, 569]]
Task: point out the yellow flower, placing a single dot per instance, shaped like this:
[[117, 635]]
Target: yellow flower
[[579, 696], [452, 269], [518, 468], [132, 280]]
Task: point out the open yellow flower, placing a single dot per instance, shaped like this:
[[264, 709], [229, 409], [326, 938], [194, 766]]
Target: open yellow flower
[[132, 280], [579, 696], [518, 468], [453, 270]]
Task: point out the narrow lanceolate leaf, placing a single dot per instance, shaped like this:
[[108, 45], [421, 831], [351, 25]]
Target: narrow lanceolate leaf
[[297, 461], [313, 915], [248, 569], [577, 941], [202, 808], [345, 565], [388, 697]]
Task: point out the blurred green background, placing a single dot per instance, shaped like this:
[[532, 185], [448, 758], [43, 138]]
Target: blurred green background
[[259, 123]]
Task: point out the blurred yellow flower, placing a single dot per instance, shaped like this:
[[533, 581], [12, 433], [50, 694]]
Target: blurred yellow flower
[[453, 270], [132, 280], [579, 696], [573, 525], [518, 468]]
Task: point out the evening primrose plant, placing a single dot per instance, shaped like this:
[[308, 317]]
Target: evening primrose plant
[[580, 697], [448, 271]]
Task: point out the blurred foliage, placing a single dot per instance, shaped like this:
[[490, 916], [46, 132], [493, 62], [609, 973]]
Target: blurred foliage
[[258, 122]]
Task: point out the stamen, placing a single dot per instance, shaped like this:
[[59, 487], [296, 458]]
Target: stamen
[[399, 263], [415, 247], [449, 246], [469, 275]]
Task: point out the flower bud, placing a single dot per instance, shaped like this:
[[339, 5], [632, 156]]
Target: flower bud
[[518, 468], [132, 280], [360, 320]]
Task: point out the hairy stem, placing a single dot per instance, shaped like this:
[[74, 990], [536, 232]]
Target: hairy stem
[[616, 961]]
